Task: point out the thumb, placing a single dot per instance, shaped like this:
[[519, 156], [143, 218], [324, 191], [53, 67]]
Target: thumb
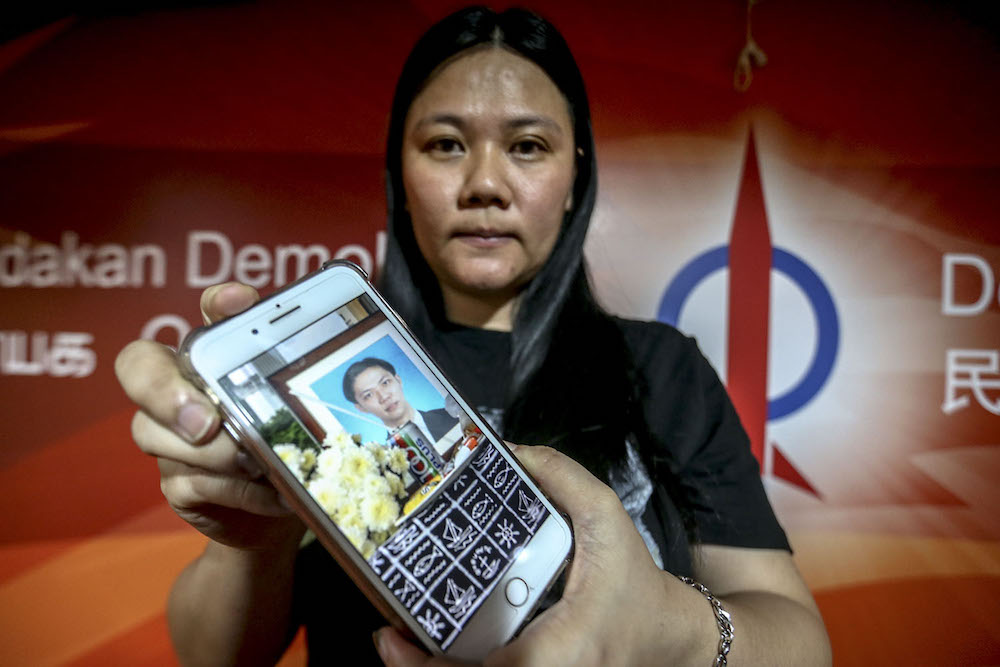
[[566, 482], [396, 651], [225, 300]]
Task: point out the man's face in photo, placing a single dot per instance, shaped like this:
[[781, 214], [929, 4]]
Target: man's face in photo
[[380, 393]]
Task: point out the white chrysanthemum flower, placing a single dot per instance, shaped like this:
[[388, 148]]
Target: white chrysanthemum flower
[[380, 536], [396, 486], [353, 525], [338, 443], [307, 462], [356, 534], [398, 463], [379, 453], [350, 515], [291, 456], [328, 462], [368, 549], [359, 462], [379, 512], [340, 440], [328, 494], [376, 484], [350, 480]]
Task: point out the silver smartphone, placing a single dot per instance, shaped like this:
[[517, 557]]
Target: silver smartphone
[[401, 480]]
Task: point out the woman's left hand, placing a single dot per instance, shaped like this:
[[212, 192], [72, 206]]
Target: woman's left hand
[[618, 607]]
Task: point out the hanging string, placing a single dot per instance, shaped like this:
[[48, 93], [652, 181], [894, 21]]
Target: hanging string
[[751, 56]]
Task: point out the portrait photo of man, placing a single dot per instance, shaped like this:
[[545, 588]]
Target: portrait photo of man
[[374, 387]]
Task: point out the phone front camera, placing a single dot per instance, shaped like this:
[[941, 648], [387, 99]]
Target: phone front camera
[[253, 331]]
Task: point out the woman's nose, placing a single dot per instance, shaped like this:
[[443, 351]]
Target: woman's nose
[[486, 182]]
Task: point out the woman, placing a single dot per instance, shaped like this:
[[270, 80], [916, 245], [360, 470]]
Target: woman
[[491, 185]]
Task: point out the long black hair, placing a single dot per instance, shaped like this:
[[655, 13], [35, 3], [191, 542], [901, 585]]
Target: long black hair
[[572, 384]]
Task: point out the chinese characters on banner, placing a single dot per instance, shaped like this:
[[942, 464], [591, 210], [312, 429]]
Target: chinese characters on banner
[[969, 372]]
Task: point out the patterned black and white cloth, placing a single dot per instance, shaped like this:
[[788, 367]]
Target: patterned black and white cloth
[[449, 555]]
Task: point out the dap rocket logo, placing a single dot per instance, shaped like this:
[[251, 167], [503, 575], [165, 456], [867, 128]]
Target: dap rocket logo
[[751, 258]]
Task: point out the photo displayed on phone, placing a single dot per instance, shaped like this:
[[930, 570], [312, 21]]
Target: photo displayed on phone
[[394, 461]]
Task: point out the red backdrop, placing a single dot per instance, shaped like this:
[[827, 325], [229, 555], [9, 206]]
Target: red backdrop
[[144, 155]]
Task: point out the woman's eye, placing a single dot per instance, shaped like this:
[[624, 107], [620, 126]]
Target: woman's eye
[[529, 148], [445, 145]]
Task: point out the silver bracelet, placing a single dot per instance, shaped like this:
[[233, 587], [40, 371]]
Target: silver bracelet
[[722, 619]]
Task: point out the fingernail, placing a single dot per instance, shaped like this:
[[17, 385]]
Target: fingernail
[[236, 297], [194, 420], [377, 639]]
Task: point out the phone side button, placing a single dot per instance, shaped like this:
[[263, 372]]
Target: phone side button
[[211, 395], [516, 591], [232, 431]]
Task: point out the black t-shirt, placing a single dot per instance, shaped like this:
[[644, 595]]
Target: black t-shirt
[[476, 361], [696, 438]]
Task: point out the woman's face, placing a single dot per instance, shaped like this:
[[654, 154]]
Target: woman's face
[[488, 167]]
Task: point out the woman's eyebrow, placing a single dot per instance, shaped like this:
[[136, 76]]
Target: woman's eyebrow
[[515, 123], [441, 118], [527, 121]]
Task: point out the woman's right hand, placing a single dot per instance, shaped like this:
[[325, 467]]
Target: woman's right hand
[[209, 481]]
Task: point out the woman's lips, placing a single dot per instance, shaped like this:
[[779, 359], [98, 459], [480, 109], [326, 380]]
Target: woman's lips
[[484, 239]]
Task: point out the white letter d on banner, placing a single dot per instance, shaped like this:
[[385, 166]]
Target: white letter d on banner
[[948, 305]]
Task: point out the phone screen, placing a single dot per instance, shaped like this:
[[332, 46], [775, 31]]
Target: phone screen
[[392, 458]]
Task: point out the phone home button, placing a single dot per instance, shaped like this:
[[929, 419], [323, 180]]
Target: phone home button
[[516, 591]]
